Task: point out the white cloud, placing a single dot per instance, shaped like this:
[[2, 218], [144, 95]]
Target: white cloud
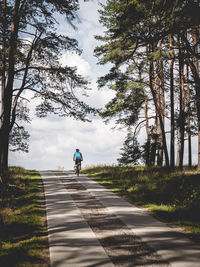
[[97, 98], [74, 60], [53, 143]]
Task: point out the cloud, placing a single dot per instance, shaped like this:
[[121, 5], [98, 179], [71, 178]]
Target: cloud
[[96, 98], [53, 143], [74, 60]]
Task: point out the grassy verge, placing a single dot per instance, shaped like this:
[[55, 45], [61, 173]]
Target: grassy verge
[[171, 196], [23, 239]]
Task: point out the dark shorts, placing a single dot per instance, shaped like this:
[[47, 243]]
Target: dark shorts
[[77, 161]]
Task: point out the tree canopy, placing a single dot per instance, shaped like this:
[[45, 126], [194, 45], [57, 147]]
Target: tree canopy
[[30, 51], [154, 44]]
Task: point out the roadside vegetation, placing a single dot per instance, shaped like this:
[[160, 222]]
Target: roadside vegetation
[[171, 196], [23, 239]]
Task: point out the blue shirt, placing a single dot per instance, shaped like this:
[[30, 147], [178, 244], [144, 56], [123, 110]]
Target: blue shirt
[[77, 155]]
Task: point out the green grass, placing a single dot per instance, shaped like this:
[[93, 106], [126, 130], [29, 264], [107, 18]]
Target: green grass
[[171, 196], [23, 236]]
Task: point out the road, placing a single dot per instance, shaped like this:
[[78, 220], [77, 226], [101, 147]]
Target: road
[[90, 226]]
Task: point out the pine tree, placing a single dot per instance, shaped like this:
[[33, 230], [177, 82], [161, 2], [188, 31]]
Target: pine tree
[[130, 152]]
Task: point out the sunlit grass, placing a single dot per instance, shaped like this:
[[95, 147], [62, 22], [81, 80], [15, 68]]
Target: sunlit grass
[[172, 196], [22, 220]]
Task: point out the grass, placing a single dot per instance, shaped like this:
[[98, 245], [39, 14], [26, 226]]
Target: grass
[[171, 196], [23, 232]]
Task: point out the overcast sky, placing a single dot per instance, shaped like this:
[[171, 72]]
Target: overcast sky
[[53, 139]]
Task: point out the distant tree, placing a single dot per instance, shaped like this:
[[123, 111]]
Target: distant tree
[[30, 51], [130, 152]]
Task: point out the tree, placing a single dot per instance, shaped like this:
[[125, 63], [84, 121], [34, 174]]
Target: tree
[[129, 98], [159, 35], [172, 130], [189, 121], [130, 152], [181, 119], [30, 51], [128, 24]]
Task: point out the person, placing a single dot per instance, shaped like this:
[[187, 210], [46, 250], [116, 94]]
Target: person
[[78, 157]]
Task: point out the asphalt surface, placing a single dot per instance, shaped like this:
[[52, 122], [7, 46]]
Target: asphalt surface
[[90, 226]]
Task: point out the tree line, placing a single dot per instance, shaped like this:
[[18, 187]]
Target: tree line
[[154, 49], [30, 52]]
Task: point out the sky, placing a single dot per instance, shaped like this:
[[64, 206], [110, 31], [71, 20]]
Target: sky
[[54, 139]]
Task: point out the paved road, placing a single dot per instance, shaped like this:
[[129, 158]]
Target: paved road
[[90, 226]]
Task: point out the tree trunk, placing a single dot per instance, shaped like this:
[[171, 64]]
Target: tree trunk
[[189, 121], [195, 71], [3, 144], [197, 89], [3, 60], [162, 108], [148, 133], [4, 154], [172, 141], [159, 132], [6, 93], [158, 111], [182, 108], [154, 143]]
